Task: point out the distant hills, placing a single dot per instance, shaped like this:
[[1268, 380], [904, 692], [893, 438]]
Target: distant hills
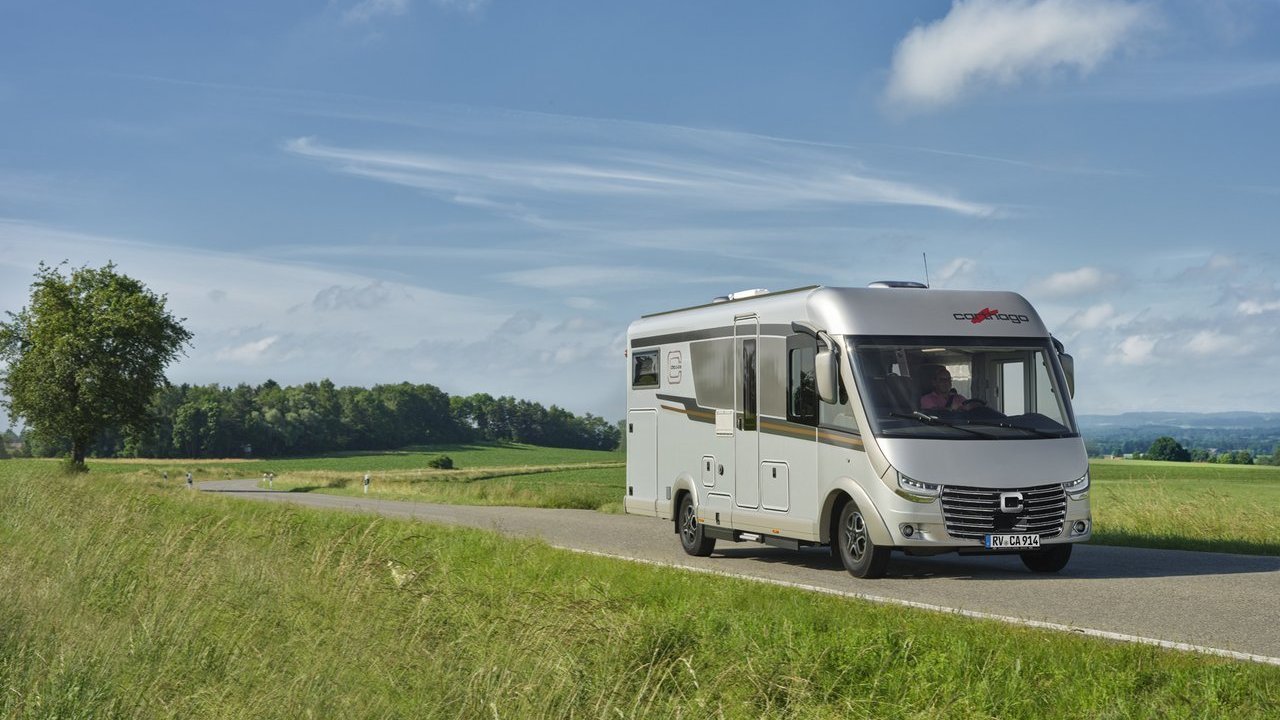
[[1182, 420], [1134, 431]]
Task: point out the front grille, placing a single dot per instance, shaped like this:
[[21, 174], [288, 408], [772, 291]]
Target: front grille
[[971, 512]]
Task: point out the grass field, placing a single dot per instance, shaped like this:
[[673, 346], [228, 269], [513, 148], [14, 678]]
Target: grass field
[[1188, 506], [125, 598]]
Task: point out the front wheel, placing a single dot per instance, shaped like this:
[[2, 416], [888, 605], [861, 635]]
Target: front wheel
[[861, 557], [692, 538], [1047, 560]]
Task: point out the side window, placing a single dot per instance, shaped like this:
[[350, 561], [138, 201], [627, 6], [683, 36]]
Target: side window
[[644, 369], [802, 390], [750, 409], [838, 415]]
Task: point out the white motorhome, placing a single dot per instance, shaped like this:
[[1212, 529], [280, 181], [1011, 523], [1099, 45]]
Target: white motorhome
[[891, 417]]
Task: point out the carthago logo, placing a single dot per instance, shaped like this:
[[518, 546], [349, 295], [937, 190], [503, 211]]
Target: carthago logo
[[991, 314]]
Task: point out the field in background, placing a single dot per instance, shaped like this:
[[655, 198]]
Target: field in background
[[125, 598], [1187, 506]]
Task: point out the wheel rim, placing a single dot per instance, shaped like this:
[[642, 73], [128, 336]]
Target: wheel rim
[[689, 525], [855, 536]]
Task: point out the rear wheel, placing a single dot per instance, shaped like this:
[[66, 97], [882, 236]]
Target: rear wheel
[[692, 538], [860, 555], [1047, 560]]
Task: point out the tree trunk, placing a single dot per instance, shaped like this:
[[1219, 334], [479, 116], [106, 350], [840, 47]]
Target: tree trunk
[[79, 447]]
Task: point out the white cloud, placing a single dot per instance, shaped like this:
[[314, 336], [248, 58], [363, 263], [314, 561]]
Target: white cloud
[[775, 175], [581, 303], [1208, 342], [369, 297], [249, 353], [956, 269], [580, 276], [1092, 318], [1136, 350], [369, 10], [1073, 282], [1257, 307], [998, 42]]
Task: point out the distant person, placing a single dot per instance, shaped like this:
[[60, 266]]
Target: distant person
[[943, 396]]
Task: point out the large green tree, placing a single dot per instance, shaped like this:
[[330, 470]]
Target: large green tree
[[87, 355], [1166, 448]]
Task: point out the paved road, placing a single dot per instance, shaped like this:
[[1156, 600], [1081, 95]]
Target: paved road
[[1209, 600]]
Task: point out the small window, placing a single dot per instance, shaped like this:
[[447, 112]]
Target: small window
[[802, 388], [644, 369]]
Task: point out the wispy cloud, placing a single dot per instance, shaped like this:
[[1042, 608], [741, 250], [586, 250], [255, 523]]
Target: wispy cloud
[[578, 277], [1001, 42], [369, 10], [1073, 283], [698, 178]]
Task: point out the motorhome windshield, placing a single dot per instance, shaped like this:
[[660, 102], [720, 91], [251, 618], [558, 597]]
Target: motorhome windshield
[[961, 388]]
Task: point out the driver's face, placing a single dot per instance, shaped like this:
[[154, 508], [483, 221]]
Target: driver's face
[[942, 382]]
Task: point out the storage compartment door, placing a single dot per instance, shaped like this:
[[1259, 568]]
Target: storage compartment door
[[642, 462], [775, 486]]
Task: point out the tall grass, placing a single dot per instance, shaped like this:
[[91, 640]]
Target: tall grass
[[586, 486], [122, 598], [1187, 506]]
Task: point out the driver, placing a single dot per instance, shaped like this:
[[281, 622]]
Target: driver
[[943, 396]]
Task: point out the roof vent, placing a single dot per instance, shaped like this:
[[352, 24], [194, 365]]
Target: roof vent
[[898, 284], [740, 295]]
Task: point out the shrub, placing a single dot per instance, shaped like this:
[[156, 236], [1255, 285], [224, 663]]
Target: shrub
[[443, 462]]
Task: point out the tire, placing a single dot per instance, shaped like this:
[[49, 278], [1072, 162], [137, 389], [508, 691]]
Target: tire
[[860, 556], [692, 538], [1047, 560]]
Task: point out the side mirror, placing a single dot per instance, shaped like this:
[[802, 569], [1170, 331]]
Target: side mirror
[[827, 372], [1069, 370]]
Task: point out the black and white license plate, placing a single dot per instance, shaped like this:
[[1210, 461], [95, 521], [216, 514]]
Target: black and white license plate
[[1012, 542]]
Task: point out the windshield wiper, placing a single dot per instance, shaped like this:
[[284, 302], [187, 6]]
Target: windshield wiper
[[1024, 428], [928, 419]]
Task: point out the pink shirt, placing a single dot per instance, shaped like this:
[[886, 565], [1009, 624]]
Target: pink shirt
[[938, 401]]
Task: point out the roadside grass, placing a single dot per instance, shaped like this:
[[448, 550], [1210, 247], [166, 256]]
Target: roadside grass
[[1186, 506], [128, 599], [587, 486], [464, 456]]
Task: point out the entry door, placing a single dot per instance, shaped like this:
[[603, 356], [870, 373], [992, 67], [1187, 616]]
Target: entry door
[[746, 411]]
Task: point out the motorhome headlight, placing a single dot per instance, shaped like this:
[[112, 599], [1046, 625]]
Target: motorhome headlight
[[917, 489], [1078, 489]]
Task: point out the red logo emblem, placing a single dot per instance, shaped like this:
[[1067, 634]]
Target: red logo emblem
[[986, 314]]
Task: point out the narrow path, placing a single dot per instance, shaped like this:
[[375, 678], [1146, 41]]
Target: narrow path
[[1213, 602]]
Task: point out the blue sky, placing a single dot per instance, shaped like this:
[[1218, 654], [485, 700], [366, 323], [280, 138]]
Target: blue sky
[[482, 194]]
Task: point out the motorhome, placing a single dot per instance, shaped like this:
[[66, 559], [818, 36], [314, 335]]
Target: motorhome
[[892, 417]]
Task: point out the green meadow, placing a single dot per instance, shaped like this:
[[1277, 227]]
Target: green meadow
[[1187, 506], [126, 597]]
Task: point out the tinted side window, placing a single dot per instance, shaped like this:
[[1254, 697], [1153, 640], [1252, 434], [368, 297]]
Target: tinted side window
[[802, 388], [644, 369]]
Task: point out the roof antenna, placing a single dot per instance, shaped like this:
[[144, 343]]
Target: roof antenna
[[926, 268]]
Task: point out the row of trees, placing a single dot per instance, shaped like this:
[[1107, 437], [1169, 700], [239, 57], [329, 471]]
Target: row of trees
[[273, 420], [1167, 448], [82, 366]]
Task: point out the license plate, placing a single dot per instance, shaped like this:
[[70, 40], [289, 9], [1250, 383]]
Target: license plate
[[1012, 542]]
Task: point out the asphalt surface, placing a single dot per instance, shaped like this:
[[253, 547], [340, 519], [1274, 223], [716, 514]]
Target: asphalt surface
[[1211, 601]]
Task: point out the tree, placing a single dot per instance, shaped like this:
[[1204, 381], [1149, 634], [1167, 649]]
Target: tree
[[87, 355], [1166, 448]]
